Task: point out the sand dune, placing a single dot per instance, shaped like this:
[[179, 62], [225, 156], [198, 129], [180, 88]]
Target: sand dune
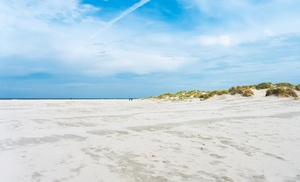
[[226, 138]]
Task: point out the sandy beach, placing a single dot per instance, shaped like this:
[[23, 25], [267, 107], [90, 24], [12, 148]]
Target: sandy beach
[[226, 138]]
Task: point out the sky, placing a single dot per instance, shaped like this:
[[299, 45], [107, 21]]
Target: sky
[[141, 48]]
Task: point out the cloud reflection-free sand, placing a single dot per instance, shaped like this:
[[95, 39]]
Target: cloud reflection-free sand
[[227, 138]]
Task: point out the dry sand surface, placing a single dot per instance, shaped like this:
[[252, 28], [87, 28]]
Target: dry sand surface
[[226, 138]]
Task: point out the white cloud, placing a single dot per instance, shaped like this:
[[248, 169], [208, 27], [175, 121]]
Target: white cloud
[[235, 40], [59, 31], [39, 27], [269, 32], [246, 19], [122, 15], [222, 40]]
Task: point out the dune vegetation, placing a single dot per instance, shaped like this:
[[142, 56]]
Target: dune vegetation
[[180, 95], [282, 92], [242, 90], [285, 85], [282, 89], [297, 87], [207, 95], [264, 85]]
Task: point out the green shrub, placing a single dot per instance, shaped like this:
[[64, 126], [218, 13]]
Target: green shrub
[[187, 95], [181, 95], [285, 84], [164, 96], [193, 94], [220, 92], [282, 92], [282, 89], [181, 92], [235, 90], [242, 90], [250, 86], [264, 85], [206, 95], [248, 93]]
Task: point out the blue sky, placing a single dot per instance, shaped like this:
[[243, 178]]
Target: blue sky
[[138, 48]]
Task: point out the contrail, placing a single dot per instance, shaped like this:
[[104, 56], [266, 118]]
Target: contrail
[[122, 15]]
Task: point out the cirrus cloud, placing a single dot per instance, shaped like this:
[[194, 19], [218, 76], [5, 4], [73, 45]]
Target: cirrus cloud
[[224, 41]]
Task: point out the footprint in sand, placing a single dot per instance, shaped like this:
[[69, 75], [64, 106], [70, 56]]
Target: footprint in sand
[[217, 156]]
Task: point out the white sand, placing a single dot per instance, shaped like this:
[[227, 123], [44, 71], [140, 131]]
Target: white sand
[[227, 138]]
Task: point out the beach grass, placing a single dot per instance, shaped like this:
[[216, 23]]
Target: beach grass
[[242, 90], [285, 84], [264, 85], [282, 92], [297, 87], [281, 89]]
